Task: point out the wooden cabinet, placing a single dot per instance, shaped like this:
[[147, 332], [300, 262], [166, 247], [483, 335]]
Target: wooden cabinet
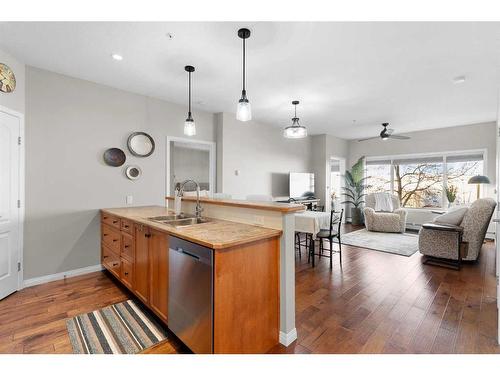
[[111, 260], [141, 263], [158, 269], [127, 246], [111, 238], [111, 220], [127, 273]]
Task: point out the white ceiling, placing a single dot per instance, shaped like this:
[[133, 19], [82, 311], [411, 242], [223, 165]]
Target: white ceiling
[[368, 72]]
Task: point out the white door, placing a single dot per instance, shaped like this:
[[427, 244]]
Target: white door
[[9, 195]]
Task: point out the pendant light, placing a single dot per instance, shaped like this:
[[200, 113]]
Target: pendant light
[[244, 110], [189, 125], [295, 130]]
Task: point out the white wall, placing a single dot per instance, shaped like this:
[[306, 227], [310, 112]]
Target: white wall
[[325, 146], [14, 100], [261, 154], [69, 124]]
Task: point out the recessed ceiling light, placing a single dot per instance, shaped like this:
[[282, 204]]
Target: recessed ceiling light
[[459, 79], [170, 35], [117, 57]]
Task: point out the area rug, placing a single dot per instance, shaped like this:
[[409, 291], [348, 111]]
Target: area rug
[[405, 244], [124, 328]]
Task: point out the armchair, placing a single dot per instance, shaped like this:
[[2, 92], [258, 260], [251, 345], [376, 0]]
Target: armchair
[[376, 221], [436, 243]]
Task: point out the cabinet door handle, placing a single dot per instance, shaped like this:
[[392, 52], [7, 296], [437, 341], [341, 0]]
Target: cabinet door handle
[[115, 221], [115, 264], [147, 235], [115, 240], [126, 246], [126, 273], [105, 256], [105, 234], [126, 226]]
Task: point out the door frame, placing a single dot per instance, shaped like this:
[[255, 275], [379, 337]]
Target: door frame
[[212, 174], [343, 166], [21, 192]]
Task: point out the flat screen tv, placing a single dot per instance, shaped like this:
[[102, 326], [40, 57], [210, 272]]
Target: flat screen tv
[[301, 185]]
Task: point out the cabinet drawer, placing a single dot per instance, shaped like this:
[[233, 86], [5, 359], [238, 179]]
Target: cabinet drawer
[[111, 220], [127, 273], [127, 226], [111, 261], [111, 238], [128, 247]]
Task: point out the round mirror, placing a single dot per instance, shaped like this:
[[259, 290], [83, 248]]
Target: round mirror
[[133, 172], [140, 144]]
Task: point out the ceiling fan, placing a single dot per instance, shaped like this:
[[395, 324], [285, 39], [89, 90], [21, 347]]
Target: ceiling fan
[[385, 134]]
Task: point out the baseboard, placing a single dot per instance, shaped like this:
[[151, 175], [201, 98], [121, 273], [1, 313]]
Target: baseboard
[[61, 275], [287, 338]]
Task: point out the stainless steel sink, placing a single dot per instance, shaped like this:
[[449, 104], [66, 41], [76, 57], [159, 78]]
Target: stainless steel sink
[[181, 220], [163, 219], [189, 221]]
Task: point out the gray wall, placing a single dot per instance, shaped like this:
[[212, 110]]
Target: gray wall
[[69, 123], [189, 163], [14, 100], [261, 154]]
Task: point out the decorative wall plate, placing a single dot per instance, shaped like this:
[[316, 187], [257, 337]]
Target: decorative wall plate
[[140, 144], [7, 79], [114, 157], [133, 172]]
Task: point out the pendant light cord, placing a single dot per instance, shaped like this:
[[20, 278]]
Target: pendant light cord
[[189, 96], [295, 110], [244, 72]]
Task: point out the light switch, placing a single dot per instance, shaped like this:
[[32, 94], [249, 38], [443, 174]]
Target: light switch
[[129, 199]]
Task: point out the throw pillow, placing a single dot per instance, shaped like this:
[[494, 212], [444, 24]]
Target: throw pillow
[[454, 217]]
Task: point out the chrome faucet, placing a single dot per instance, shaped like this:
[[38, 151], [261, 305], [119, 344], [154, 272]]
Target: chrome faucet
[[198, 209]]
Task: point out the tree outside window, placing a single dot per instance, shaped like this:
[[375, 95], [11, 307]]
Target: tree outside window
[[420, 182]]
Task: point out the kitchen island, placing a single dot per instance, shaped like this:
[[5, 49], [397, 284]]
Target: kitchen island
[[245, 278]]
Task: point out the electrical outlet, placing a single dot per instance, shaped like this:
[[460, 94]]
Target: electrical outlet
[[258, 220], [129, 199]]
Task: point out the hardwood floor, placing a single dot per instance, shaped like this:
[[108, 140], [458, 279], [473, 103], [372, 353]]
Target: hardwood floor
[[375, 303]]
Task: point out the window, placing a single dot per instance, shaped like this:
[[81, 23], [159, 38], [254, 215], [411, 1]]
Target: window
[[379, 173], [459, 170], [421, 181]]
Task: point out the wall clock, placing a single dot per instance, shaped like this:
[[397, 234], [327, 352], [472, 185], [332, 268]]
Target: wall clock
[[7, 79], [140, 144]]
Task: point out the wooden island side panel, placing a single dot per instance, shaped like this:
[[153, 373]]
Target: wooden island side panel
[[246, 298]]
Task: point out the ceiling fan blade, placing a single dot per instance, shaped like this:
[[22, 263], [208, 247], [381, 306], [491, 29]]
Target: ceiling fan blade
[[390, 131], [399, 137], [367, 139]]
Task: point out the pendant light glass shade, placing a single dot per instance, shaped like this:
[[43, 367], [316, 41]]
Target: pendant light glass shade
[[295, 131], [244, 110], [189, 127], [189, 124]]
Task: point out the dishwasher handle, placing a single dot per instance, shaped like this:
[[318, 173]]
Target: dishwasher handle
[[182, 251]]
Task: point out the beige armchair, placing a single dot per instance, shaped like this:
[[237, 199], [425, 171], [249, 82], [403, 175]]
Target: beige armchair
[[376, 221], [442, 243]]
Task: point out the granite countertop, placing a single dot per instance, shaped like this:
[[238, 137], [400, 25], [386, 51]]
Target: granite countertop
[[216, 234]]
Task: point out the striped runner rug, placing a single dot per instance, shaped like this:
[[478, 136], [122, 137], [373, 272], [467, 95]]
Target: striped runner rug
[[123, 328]]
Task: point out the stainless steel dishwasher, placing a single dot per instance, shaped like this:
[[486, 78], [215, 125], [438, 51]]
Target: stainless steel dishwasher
[[190, 294]]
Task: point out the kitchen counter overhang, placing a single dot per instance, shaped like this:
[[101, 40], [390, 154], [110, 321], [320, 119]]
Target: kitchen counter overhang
[[215, 234]]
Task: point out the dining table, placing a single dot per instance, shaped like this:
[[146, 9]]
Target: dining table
[[311, 222]]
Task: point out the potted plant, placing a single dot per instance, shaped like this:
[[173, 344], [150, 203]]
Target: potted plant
[[451, 194], [354, 191]]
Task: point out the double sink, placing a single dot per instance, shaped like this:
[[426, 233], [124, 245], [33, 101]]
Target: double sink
[[182, 220]]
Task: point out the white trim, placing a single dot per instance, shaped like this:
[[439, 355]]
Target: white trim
[[21, 192], [287, 338], [61, 275], [213, 167]]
